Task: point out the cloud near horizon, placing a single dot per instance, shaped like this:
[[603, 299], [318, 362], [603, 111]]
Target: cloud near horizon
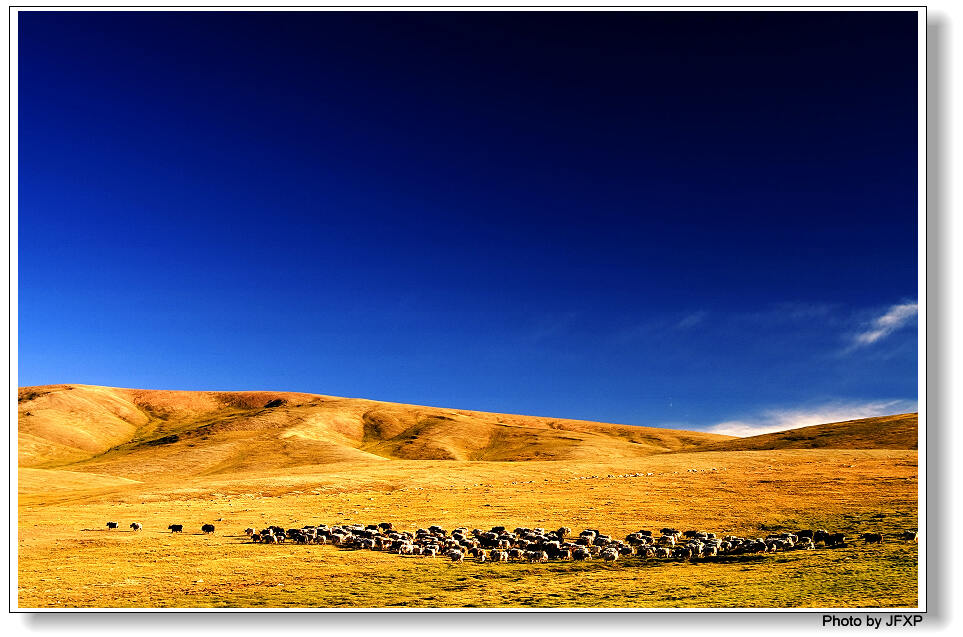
[[894, 318], [772, 420]]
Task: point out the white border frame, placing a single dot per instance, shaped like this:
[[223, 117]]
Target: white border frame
[[922, 291]]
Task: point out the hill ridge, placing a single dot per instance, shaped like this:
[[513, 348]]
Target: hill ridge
[[136, 432], [143, 433]]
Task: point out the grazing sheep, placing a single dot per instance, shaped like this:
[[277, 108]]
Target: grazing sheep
[[135, 526], [111, 525], [581, 553], [540, 546], [667, 540]]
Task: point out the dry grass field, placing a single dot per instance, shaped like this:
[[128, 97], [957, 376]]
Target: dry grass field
[[93, 454]]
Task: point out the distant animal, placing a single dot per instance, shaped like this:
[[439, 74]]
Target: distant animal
[[873, 538], [835, 539], [909, 536], [208, 528], [580, 553], [136, 526], [176, 528], [249, 531]]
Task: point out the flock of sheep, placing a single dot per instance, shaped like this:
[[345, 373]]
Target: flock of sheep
[[540, 545]]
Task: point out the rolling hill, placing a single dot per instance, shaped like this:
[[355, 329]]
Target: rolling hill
[[135, 433], [883, 432], [139, 434]]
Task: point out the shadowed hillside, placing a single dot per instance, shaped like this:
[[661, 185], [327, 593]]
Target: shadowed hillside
[[883, 432], [141, 433]]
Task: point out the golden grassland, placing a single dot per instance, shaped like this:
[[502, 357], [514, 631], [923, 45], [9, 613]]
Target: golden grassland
[[67, 558]]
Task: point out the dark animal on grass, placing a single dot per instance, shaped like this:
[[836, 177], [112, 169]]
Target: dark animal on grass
[[176, 528], [111, 525], [835, 539], [136, 526], [873, 538], [909, 536], [208, 528]]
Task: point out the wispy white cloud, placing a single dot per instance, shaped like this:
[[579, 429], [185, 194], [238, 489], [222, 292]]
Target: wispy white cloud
[[894, 318], [772, 420], [691, 320], [789, 312]]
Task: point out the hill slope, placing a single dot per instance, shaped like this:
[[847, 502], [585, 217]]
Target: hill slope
[[142, 433], [884, 432]]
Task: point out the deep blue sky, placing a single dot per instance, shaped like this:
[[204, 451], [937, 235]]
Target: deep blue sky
[[651, 218]]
